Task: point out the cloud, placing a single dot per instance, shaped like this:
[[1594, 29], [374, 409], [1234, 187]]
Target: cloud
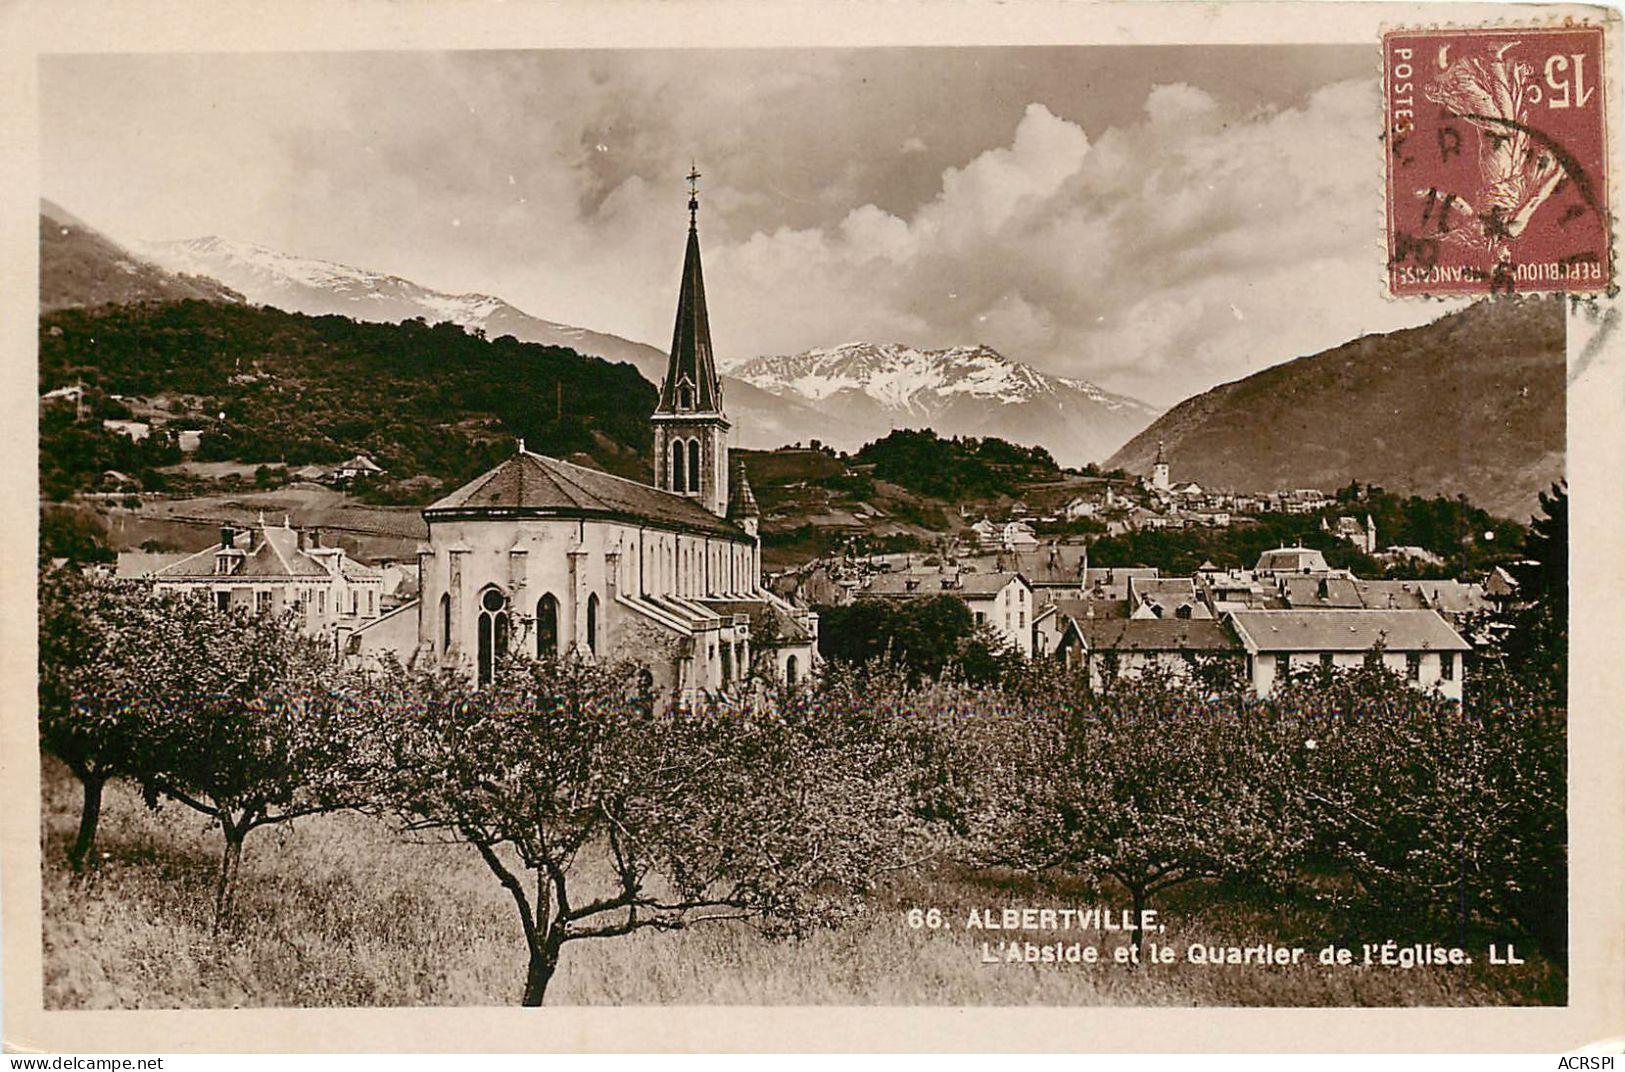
[[1122, 260]]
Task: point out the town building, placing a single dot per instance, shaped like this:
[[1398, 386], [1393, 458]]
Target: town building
[[1165, 597], [1124, 649], [357, 467], [1291, 560], [545, 557], [1419, 644], [273, 569], [1002, 601], [1362, 536]]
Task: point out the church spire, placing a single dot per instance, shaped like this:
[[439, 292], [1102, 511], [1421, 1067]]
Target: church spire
[[690, 429], [691, 384]]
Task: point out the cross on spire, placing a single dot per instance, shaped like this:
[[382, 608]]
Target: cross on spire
[[693, 194]]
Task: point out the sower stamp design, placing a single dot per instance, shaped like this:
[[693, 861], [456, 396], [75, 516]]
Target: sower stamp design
[[1497, 149]]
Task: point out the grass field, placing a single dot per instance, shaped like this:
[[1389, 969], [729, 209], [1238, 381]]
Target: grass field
[[341, 910]]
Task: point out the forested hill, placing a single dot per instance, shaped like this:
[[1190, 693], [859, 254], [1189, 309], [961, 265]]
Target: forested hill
[[273, 387]]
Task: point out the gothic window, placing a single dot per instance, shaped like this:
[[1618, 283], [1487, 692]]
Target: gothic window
[[493, 632], [679, 483], [693, 465], [445, 623], [685, 395], [547, 626], [592, 623]]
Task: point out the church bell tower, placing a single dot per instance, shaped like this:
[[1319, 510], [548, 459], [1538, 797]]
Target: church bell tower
[[690, 429]]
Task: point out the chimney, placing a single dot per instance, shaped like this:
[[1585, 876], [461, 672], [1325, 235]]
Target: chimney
[[227, 536], [315, 537], [302, 538]]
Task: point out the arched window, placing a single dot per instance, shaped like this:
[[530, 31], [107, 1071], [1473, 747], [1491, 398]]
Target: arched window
[[547, 626], [790, 670], [693, 465], [493, 632], [445, 622], [685, 395], [678, 483], [592, 623]]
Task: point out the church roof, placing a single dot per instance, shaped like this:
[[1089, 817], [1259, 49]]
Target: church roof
[[533, 485], [691, 358]]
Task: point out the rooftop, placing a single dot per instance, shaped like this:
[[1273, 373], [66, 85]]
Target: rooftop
[[1156, 634], [1346, 630], [533, 485]]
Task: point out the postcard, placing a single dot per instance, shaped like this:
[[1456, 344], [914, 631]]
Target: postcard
[[707, 526]]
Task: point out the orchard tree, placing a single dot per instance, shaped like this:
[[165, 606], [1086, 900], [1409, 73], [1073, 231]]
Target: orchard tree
[[252, 723], [1152, 786], [1439, 810], [602, 813], [91, 685]]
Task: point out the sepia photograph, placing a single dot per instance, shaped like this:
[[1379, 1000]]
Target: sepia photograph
[[894, 524]]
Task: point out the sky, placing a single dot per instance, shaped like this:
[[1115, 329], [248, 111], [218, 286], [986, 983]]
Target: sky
[[1155, 220]]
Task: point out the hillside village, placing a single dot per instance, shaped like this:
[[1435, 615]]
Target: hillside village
[[1043, 596]]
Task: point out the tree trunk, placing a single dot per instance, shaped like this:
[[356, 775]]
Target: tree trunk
[[1138, 893], [544, 961], [230, 862], [89, 816]]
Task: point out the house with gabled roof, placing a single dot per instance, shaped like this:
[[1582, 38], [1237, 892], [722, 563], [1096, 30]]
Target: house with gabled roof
[[1002, 601], [1417, 644], [1111, 649], [273, 569]]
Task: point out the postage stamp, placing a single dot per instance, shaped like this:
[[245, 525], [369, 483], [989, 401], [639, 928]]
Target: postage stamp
[[1496, 175]]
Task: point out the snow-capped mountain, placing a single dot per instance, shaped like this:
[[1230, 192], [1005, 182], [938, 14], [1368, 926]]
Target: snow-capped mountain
[[965, 390], [317, 287]]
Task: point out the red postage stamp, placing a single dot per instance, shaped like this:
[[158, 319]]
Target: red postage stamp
[[1497, 161]]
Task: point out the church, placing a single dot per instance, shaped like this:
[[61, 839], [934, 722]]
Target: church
[[545, 557]]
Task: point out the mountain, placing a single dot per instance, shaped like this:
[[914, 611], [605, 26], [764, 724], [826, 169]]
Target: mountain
[[1472, 404], [966, 390], [317, 287], [81, 268]]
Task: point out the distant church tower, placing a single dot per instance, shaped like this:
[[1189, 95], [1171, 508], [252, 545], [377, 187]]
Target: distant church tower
[[691, 431], [1159, 470]]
